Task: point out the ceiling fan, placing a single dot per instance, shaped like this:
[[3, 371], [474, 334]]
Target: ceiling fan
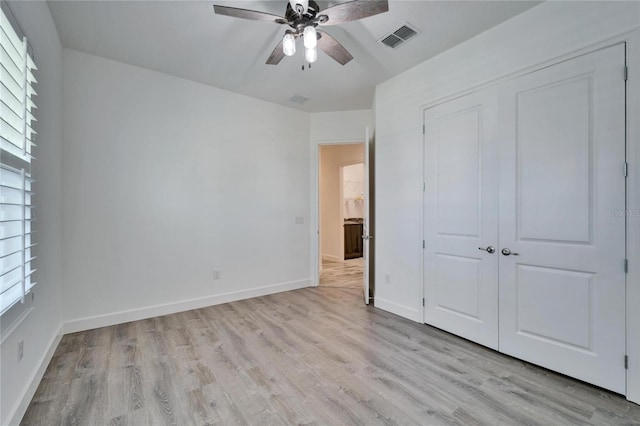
[[303, 16]]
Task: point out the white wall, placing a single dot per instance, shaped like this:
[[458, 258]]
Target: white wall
[[344, 126], [541, 35], [166, 180], [41, 328], [332, 158]]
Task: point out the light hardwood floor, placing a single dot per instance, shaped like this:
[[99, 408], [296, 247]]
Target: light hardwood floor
[[311, 356], [347, 274]]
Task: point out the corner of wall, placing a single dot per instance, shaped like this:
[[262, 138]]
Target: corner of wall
[[26, 395]]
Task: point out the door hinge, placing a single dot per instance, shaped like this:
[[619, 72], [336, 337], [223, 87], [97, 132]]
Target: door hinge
[[423, 246], [626, 73], [423, 129], [626, 169], [626, 359], [424, 186], [626, 266], [423, 301]]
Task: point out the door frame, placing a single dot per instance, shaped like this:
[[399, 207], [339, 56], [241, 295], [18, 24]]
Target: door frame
[[632, 41], [315, 263], [633, 221]]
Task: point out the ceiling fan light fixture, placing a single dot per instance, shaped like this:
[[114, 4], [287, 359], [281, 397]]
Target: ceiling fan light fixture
[[311, 54], [303, 16], [289, 44], [310, 37]]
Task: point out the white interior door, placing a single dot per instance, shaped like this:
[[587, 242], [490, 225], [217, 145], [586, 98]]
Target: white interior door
[[562, 202], [365, 223], [460, 218]]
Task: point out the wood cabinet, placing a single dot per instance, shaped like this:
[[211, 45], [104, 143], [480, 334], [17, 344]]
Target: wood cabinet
[[352, 240]]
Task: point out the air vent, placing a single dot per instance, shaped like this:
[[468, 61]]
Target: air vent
[[298, 99], [391, 40], [399, 36], [404, 32]]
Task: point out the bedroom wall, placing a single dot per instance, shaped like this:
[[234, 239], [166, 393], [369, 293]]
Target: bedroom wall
[[342, 126], [166, 180], [40, 329], [538, 36]]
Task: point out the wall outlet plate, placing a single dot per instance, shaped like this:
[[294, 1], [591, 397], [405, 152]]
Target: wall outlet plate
[[217, 274]]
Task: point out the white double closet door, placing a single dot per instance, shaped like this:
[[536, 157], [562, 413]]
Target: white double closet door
[[524, 251]]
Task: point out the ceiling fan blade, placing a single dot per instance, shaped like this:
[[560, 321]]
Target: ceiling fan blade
[[331, 47], [353, 10], [248, 14], [277, 55]]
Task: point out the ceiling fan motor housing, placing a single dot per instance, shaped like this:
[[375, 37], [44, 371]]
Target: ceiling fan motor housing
[[299, 21], [300, 6]]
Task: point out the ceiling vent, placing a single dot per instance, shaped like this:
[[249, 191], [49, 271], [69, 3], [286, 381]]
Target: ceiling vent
[[298, 99], [399, 36]]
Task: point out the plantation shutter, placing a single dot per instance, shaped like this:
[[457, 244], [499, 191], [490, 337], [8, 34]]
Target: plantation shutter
[[16, 144]]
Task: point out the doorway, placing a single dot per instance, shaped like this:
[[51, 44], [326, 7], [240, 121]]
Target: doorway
[[341, 215]]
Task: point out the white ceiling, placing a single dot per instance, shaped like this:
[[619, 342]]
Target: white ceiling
[[186, 39]]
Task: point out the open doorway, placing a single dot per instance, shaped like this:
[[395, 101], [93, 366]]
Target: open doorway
[[341, 215]]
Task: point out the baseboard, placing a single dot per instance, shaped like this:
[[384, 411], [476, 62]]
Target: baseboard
[[331, 258], [23, 403], [394, 308], [120, 317]]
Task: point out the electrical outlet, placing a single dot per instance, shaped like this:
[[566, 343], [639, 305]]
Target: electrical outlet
[[20, 350], [217, 274], [299, 220], [387, 279]]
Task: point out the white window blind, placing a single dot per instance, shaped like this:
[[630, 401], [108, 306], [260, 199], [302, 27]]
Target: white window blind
[[16, 144]]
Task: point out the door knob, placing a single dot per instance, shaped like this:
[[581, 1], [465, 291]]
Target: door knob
[[508, 252], [489, 249]]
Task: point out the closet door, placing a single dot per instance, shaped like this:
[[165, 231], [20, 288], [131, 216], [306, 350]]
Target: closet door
[[562, 201], [460, 218]]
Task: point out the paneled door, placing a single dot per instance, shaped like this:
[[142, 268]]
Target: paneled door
[[460, 217], [562, 226]]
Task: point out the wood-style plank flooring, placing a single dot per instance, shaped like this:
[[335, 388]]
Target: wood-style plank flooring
[[311, 356], [347, 274]]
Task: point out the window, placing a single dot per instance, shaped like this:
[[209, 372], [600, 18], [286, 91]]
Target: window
[[16, 143]]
